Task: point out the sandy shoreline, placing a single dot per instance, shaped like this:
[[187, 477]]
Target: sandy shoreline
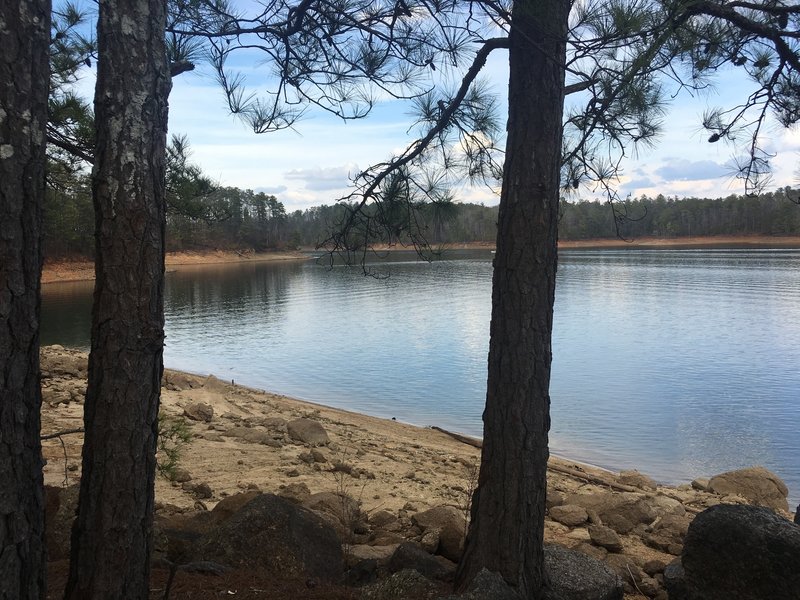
[[81, 270], [241, 441]]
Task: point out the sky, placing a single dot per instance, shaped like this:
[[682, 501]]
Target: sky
[[311, 164]]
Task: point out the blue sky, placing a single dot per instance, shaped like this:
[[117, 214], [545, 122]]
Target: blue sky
[[311, 164]]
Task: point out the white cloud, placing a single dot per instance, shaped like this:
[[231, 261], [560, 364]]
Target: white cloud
[[681, 169]]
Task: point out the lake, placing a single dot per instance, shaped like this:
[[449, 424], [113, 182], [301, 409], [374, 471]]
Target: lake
[[681, 363]]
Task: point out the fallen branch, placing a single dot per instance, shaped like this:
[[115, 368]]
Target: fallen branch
[[58, 434], [475, 443]]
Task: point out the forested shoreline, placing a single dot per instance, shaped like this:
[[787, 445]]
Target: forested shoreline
[[231, 218]]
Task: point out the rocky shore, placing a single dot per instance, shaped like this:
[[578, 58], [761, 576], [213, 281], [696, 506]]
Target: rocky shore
[[392, 499]]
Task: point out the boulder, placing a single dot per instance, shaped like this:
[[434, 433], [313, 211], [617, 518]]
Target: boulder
[[674, 580], [227, 507], [412, 556], [757, 484], [451, 525], [620, 511], [576, 576], [361, 552], [342, 508], [307, 431], [741, 553], [570, 515], [605, 537], [280, 538], [199, 411]]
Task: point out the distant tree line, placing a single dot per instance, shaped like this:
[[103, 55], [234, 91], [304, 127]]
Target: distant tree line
[[201, 216], [771, 213]]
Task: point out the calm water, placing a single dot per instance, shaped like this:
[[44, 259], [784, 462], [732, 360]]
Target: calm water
[[678, 362]]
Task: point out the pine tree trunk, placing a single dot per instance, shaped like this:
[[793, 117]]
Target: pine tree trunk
[[111, 540], [507, 528], [24, 77]]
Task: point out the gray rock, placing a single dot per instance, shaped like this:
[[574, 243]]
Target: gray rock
[[380, 554], [385, 520], [280, 538], [307, 431], [757, 484], [700, 484], [741, 553], [620, 511], [570, 515], [675, 580], [412, 556], [451, 525], [654, 566], [344, 512], [199, 411], [202, 491], [181, 475], [575, 576], [605, 537]]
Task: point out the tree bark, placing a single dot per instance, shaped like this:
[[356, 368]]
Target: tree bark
[[24, 77], [111, 539], [507, 527]]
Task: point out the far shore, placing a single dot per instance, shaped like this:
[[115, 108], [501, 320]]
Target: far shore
[[57, 271]]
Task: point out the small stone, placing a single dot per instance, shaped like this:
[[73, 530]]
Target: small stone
[[293, 473], [180, 475], [203, 491], [700, 484]]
